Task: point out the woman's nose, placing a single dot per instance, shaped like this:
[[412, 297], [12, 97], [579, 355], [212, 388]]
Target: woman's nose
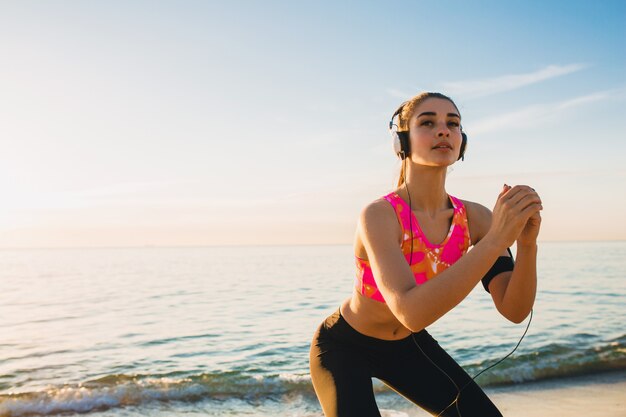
[[443, 130]]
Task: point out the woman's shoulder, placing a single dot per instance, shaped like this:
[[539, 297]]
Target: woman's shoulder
[[478, 219], [383, 213], [378, 209], [385, 208], [379, 223]]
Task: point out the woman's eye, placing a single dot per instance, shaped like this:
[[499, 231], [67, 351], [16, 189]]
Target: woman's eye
[[431, 123]]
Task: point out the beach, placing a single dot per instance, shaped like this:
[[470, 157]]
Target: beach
[[598, 395], [595, 395]]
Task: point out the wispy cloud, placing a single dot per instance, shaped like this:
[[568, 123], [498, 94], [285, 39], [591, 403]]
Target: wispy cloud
[[488, 86], [590, 98], [536, 113]]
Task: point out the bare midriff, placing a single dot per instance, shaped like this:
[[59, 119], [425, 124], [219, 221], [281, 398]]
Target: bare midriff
[[372, 318]]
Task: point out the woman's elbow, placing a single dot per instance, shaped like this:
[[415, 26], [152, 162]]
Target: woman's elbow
[[515, 317], [403, 308], [411, 322]]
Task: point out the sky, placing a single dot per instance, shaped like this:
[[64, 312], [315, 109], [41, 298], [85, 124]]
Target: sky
[[192, 123]]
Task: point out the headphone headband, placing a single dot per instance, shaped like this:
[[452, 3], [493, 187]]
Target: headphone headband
[[397, 112]]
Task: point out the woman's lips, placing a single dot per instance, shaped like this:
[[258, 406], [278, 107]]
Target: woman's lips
[[445, 145]]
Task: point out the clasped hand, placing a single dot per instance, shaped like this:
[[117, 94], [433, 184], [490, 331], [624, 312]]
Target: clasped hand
[[516, 216]]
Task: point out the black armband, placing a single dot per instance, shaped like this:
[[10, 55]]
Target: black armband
[[503, 263]]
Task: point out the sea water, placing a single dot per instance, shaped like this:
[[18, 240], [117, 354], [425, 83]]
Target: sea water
[[225, 331]]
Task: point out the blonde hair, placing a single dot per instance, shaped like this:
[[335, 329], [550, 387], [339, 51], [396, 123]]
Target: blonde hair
[[408, 107]]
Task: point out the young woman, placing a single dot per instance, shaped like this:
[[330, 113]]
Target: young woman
[[413, 267]]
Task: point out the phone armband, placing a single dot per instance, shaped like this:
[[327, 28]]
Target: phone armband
[[502, 264]]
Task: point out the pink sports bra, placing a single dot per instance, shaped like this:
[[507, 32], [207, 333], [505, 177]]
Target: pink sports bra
[[428, 259]]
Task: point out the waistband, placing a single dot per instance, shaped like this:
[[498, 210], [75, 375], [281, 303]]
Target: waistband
[[340, 327]]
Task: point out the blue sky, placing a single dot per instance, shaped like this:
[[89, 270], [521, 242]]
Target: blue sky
[[207, 123]]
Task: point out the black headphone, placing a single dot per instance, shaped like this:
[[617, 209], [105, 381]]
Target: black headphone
[[401, 142]]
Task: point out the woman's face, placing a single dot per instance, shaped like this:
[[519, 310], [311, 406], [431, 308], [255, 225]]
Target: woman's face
[[435, 133]]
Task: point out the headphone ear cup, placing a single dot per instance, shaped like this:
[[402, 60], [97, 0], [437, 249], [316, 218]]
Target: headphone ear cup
[[400, 143], [463, 146], [397, 146], [404, 140]]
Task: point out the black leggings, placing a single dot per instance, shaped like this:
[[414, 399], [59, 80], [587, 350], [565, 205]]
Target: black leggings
[[343, 361]]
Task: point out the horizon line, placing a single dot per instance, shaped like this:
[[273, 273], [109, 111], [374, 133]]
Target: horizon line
[[148, 246]]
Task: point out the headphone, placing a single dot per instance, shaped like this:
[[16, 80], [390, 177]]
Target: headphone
[[401, 142]]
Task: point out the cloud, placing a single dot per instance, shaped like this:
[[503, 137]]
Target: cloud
[[488, 86], [536, 112], [602, 95]]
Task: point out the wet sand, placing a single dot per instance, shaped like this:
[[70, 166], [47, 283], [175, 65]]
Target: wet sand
[[598, 395]]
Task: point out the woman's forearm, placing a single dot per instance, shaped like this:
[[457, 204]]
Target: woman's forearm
[[519, 296], [424, 304]]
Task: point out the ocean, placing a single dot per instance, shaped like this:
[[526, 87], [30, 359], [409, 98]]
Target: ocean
[[225, 331]]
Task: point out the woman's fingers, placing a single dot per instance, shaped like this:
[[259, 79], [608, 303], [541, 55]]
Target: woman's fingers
[[530, 210], [518, 192], [514, 206], [528, 199], [520, 196]]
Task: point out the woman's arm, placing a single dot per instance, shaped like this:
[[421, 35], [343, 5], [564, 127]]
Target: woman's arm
[[418, 306], [513, 292]]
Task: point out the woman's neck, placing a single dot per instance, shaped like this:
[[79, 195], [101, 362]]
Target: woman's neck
[[427, 188]]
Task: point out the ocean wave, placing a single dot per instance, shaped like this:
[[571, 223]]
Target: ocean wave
[[553, 361], [121, 390]]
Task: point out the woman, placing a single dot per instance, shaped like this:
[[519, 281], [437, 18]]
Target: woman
[[380, 331]]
